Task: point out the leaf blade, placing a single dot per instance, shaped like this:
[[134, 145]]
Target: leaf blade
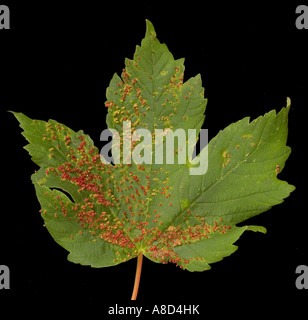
[[159, 210]]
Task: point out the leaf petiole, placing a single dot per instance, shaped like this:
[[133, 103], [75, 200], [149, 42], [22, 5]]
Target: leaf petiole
[[137, 277]]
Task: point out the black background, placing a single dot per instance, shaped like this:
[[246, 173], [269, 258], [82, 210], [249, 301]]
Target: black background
[[57, 61]]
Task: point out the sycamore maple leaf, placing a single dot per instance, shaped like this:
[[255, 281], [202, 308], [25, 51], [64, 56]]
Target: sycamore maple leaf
[[119, 212]]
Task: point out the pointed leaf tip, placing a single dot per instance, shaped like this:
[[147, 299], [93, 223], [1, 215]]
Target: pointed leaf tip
[[257, 229], [288, 102], [150, 31]]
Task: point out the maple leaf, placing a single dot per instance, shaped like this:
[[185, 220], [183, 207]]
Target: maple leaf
[[116, 212]]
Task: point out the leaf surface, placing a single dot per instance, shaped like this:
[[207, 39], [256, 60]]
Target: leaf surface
[[105, 214]]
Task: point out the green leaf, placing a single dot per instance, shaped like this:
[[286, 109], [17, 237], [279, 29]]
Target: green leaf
[[105, 214]]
